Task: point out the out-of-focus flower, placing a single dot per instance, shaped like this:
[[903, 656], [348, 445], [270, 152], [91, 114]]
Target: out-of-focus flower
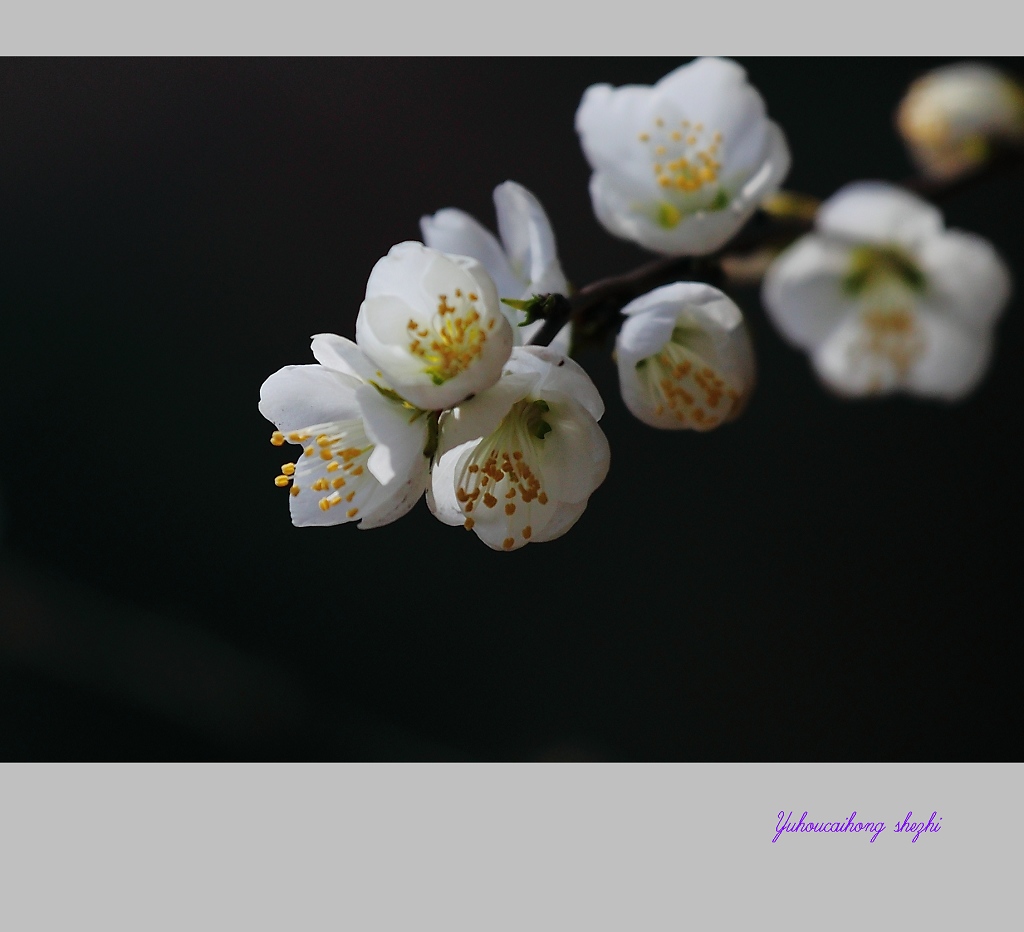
[[679, 167], [951, 117], [684, 357], [524, 263], [519, 462], [363, 447], [885, 298], [433, 324]]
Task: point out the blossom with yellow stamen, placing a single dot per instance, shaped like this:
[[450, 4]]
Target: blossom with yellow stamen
[[365, 450], [684, 357], [433, 324], [680, 166], [518, 463], [884, 298]]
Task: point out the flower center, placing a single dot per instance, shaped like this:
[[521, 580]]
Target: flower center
[[498, 479], [333, 459], [891, 336], [452, 339], [871, 266], [685, 160], [681, 385]]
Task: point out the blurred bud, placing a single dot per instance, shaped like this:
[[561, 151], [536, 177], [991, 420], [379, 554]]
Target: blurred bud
[[952, 118]]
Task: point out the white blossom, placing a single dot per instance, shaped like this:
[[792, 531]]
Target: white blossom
[[884, 298], [951, 116], [363, 448], [525, 261], [685, 358], [679, 167], [519, 462], [433, 324]]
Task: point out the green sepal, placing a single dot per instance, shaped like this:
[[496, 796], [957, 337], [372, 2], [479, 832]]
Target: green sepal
[[539, 307]]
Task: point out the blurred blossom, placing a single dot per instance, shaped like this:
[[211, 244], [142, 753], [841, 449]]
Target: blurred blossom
[[679, 167], [362, 445], [685, 358], [951, 117], [433, 324], [524, 263], [884, 298], [518, 463]]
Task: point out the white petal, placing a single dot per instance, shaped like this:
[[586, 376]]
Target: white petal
[[802, 290], [480, 415], [880, 213], [954, 361], [575, 454], [556, 373], [456, 232], [528, 238], [966, 277], [650, 320], [608, 121], [399, 502], [441, 495], [565, 516], [766, 180], [343, 355], [296, 396], [402, 274], [398, 433], [714, 91]]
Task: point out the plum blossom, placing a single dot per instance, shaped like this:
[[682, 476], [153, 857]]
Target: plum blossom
[[951, 116], [685, 358], [432, 323], [679, 167], [518, 463], [363, 448], [884, 298], [525, 261]]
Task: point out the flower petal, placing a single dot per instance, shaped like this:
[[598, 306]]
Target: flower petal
[[967, 279], [441, 497], [575, 453], [566, 514], [343, 355], [399, 435], [879, 213], [456, 232], [802, 290], [953, 363], [296, 396], [556, 373], [528, 239]]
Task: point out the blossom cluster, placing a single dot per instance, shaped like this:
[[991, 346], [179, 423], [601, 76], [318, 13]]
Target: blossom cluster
[[434, 398], [442, 394]]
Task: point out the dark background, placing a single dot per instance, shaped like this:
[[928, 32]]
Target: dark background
[[821, 580]]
